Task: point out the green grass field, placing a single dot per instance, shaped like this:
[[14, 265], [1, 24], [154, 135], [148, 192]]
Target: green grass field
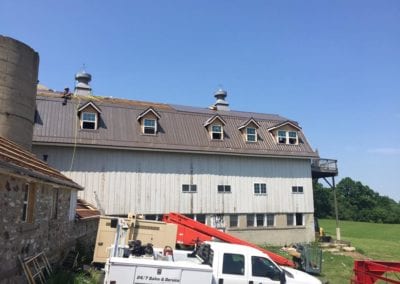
[[375, 241]]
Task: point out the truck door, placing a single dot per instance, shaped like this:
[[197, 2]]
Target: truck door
[[232, 270], [264, 271]]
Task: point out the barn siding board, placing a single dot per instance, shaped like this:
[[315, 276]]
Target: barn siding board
[[150, 183]]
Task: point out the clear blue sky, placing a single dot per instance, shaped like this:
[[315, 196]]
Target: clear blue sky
[[333, 66]]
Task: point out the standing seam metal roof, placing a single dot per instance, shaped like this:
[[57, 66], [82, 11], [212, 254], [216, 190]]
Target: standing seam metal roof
[[180, 128]]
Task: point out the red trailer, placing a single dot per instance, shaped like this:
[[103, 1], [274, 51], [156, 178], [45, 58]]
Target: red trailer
[[370, 271]]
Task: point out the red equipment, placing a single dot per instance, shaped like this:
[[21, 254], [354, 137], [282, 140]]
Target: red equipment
[[369, 271], [191, 231]]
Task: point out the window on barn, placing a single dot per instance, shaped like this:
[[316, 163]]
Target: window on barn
[[233, 221], [296, 219], [292, 137], [216, 132], [224, 188], [299, 219], [149, 126], [281, 137], [250, 220], [260, 220], [288, 137], [88, 120], [297, 189], [251, 134], [201, 218], [260, 189], [189, 188], [270, 220], [289, 219]]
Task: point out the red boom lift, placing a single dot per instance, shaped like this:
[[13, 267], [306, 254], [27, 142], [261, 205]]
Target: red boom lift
[[191, 231]]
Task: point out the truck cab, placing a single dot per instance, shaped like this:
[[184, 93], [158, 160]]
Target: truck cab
[[237, 264]]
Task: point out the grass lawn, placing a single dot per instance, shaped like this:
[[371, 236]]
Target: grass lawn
[[375, 241]]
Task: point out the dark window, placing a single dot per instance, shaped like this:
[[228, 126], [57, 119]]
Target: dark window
[[216, 132], [189, 188], [270, 220], [233, 264], [299, 219], [289, 219], [250, 220], [282, 137], [224, 188], [251, 134], [149, 126], [191, 216], [260, 188], [292, 137], [201, 218], [151, 217], [297, 189], [260, 220], [89, 120], [233, 221]]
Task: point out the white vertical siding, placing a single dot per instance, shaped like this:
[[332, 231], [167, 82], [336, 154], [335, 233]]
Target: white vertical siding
[[121, 181]]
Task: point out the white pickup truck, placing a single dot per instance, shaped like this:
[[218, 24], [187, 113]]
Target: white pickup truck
[[211, 263]]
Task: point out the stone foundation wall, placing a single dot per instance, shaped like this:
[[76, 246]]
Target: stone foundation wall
[[50, 232]]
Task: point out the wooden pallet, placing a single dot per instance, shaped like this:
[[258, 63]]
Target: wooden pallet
[[37, 268]]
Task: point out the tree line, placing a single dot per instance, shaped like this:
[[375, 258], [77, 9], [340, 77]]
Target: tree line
[[356, 202]]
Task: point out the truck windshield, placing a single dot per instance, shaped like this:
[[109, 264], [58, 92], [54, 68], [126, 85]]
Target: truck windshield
[[263, 267]]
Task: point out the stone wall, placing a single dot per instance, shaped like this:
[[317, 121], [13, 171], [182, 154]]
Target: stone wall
[[49, 231]]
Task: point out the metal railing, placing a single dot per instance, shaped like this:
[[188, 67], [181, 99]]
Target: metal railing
[[324, 164]]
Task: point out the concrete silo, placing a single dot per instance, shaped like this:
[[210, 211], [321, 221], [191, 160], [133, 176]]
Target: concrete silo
[[19, 65]]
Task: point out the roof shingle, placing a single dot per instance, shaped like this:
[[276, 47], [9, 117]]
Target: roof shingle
[[20, 161]]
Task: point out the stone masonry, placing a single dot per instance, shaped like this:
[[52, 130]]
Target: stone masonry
[[52, 233]]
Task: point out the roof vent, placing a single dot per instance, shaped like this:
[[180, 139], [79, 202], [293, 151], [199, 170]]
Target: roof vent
[[221, 103], [82, 86]]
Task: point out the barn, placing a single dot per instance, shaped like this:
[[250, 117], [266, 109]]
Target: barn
[[246, 173]]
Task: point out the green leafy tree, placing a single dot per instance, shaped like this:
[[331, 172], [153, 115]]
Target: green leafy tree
[[356, 202]]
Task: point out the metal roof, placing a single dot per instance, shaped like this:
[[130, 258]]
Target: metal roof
[[16, 160], [180, 128]]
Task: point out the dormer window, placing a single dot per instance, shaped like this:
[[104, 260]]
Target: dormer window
[[89, 116], [293, 139], [251, 134], [286, 133], [287, 137], [281, 137], [89, 120], [149, 126], [216, 132], [149, 121], [249, 130], [215, 126]]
